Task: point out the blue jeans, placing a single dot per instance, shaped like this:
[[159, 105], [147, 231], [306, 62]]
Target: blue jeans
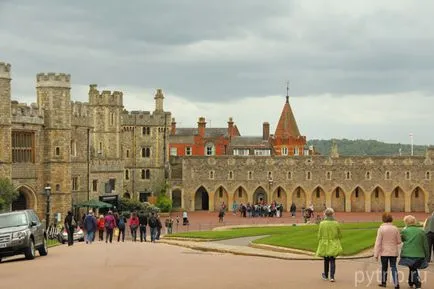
[[153, 233], [330, 263], [89, 236], [142, 233], [385, 261]]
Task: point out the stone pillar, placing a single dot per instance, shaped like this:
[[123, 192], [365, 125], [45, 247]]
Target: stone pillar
[[211, 197], [230, 201], [407, 202], [368, 202], [387, 202], [328, 196], [347, 203]]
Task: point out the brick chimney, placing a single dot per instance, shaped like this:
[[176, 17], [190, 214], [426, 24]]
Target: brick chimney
[[173, 127], [231, 127], [201, 125], [265, 131]]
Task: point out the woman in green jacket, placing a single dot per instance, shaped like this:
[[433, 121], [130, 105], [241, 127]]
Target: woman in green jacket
[[414, 252], [329, 246]]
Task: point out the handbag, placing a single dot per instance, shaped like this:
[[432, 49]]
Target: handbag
[[116, 232]]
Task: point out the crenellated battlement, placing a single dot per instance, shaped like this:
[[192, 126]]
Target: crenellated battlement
[[142, 118], [59, 80], [23, 113], [106, 97], [79, 109], [5, 70]]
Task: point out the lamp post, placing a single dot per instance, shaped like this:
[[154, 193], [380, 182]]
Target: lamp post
[[47, 190], [270, 185]]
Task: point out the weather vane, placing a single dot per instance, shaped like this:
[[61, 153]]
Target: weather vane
[[287, 91]]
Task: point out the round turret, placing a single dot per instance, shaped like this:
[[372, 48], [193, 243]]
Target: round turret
[[5, 70], [53, 80]]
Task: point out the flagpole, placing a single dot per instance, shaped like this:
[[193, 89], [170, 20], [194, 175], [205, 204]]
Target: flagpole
[[411, 141]]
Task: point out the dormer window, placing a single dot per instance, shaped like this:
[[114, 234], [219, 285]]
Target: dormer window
[[284, 151], [210, 149]]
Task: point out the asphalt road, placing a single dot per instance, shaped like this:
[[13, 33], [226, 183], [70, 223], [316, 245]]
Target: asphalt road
[[146, 265]]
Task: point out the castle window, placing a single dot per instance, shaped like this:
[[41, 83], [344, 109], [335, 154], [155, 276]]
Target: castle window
[[146, 174], [337, 193], [387, 175], [407, 175], [329, 175], [348, 175], [240, 192], [211, 175], [289, 176], [94, 185], [241, 152], [188, 151], [427, 176], [146, 152], [146, 130], [308, 176], [262, 152], [318, 193], [173, 151], [100, 149], [23, 147], [284, 151], [112, 118], [221, 192], [110, 186], [57, 151], [128, 153], [250, 175], [57, 187], [210, 149], [270, 175], [368, 175], [278, 193], [127, 174], [231, 175], [296, 151], [75, 183], [357, 192], [73, 148]]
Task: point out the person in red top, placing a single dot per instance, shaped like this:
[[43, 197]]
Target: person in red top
[[101, 227], [134, 224]]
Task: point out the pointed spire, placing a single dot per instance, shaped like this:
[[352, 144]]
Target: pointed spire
[[287, 92]]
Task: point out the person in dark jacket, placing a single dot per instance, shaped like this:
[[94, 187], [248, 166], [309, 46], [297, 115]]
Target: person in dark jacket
[[70, 224], [293, 209], [152, 222], [143, 221], [90, 225], [429, 231]]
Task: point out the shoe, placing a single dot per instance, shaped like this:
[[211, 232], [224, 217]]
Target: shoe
[[332, 279], [324, 277], [382, 285]]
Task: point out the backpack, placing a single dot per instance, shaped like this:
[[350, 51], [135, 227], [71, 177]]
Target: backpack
[[121, 223], [152, 222]]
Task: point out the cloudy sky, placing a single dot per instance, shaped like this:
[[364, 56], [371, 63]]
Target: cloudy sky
[[357, 69]]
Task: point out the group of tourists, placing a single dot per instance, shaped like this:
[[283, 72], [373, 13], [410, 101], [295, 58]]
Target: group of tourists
[[417, 245], [115, 225], [260, 209]]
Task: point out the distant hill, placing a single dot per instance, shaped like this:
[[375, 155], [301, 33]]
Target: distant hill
[[365, 148]]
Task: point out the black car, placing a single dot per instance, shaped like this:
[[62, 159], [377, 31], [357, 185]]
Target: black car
[[21, 232]]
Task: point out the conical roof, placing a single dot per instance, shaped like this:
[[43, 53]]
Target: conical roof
[[287, 125]]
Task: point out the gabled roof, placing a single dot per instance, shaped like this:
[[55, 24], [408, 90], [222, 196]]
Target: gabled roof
[[209, 132], [249, 142], [287, 125]]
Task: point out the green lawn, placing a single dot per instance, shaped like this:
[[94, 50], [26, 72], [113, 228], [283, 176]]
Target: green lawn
[[356, 237]]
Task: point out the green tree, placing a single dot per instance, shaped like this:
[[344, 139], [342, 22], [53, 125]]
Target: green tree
[[7, 193], [164, 202]]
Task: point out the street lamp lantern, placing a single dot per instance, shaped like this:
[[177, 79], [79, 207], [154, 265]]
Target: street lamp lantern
[[47, 191]]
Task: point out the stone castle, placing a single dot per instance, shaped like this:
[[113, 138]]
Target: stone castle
[[97, 149]]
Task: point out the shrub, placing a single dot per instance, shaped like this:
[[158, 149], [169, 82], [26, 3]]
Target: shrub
[[164, 203]]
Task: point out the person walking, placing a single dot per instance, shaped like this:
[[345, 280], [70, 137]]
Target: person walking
[[184, 218], [293, 210], [70, 224], [387, 249], [134, 225], [110, 224], [234, 208], [90, 226], [329, 246], [121, 221], [101, 227], [429, 231], [152, 222], [143, 222], [159, 227], [415, 251]]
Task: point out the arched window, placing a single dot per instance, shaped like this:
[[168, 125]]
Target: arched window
[[231, 175], [427, 176], [368, 175], [318, 193], [308, 176], [148, 174], [278, 192], [289, 175], [387, 175], [284, 151], [211, 175], [127, 174], [329, 175], [357, 192], [407, 175]]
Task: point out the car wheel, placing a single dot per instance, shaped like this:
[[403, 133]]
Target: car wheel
[[43, 250], [30, 251]]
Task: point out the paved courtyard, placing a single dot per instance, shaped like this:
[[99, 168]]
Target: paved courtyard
[[146, 265]]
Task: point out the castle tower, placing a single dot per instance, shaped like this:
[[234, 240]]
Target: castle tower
[[54, 97], [287, 139], [159, 99], [5, 119], [106, 109]]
